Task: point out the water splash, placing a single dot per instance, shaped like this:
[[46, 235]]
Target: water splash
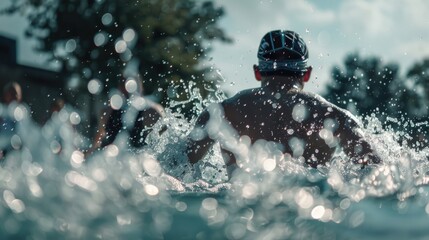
[[50, 190]]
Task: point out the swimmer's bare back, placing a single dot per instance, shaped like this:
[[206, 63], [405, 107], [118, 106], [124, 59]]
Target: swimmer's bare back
[[306, 125]]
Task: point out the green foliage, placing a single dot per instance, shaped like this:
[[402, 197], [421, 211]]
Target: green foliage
[[363, 86], [367, 86], [89, 38], [415, 97]]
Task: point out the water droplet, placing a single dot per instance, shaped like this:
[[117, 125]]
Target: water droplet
[[70, 45], [120, 46], [94, 86], [209, 204], [129, 35], [131, 85], [269, 164], [116, 101], [318, 212], [107, 19], [100, 39], [75, 118], [151, 190], [299, 112]]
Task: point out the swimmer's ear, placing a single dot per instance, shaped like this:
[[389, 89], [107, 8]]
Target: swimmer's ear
[[307, 74], [257, 72]]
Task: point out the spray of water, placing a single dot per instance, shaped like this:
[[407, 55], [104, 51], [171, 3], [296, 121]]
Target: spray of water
[[51, 190]]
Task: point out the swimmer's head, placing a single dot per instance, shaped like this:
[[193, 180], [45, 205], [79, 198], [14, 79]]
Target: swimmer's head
[[282, 52]]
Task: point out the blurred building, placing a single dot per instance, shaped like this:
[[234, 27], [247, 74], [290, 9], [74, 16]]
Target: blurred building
[[41, 87]]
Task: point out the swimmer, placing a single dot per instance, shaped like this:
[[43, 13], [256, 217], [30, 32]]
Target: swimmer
[[281, 111]]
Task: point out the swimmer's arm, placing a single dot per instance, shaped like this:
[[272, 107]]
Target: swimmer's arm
[[199, 143], [151, 114], [196, 150], [143, 125], [101, 131], [355, 145]]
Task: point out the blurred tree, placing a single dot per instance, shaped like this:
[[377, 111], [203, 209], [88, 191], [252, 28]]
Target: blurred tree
[[413, 102], [415, 94], [366, 86], [363, 86], [164, 41]]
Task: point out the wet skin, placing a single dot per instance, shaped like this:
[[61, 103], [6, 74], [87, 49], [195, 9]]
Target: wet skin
[[306, 125]]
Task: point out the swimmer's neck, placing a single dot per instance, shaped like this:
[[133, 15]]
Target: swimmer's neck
[[282, 85]]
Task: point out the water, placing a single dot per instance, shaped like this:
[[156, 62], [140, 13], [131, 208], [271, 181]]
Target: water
[[49, 191]]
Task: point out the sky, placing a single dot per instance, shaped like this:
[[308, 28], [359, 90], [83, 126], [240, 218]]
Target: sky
[[396, 31]]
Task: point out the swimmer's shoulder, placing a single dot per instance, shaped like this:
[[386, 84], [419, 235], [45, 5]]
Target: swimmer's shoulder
[[243, 96], [314, 97], [317, 100], [332, 109]]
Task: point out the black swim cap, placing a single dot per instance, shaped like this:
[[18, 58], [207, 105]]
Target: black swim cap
[[282, 50]]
